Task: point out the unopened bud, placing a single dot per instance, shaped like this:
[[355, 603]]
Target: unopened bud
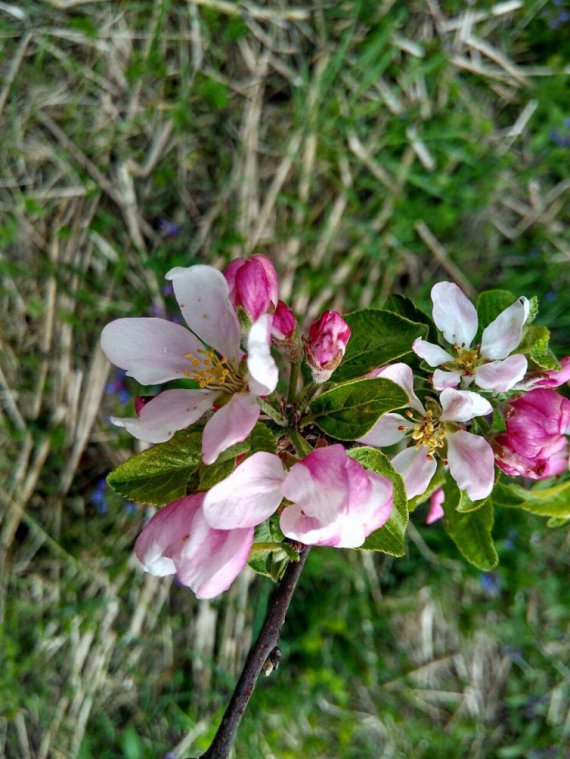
[[286, 334], [326, 344], [253, 285]]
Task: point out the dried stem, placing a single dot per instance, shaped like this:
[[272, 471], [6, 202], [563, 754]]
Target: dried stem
[[261, 653]]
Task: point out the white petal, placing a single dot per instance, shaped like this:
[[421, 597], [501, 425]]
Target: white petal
[[202, 294], [402, 375], [250, 494], [454, 314], [471, 463], [416, 468], [442, 379], [463, 405], [230, 424], [343, 532], [169, 412], [431, 353], [151, 350], [502, 376], [263, 372], [387, 431], [504, 334]]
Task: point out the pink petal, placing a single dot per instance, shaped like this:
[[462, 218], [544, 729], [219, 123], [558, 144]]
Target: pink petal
[[230, 424], [249, 495], [471, 463], [435, 506], [463, 405], [548, 379], [387, 431], [417, 468], [202, 294], [271, 275], [430, 352], [503, 375], [402, 375], [504, 334], [454, 314], [442, 379], [263, 372], [159, 545], [169, 412], [151, 350]]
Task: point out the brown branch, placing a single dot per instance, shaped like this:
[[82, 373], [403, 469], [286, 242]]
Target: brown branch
[[262, 652]]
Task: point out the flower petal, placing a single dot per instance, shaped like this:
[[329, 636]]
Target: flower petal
[[342, 532], [263, 372], [435, 506], [202, 294], [249, 495], [454, 314], [230, 424], [151, 350], [503, 375], [442, 379], [463, 405], [430, 352], [212, 559], [417, 468], [504, 334], [402, 375], [471, 463], [169, 412], [387, 431]]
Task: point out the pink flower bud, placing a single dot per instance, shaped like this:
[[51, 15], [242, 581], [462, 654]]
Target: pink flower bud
[[552, 378], [253, 285], [284, 322], [534, 444], [436, 506], [326, 345]]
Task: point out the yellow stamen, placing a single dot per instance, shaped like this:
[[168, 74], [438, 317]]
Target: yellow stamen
[[214, 372], [467, 359], [429, 433]]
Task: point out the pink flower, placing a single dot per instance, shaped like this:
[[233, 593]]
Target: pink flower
[[326, 344], [548, 379], [284, 322], [178, 540], [436, 506], [155, 351], [253, 285], [335, 501], [490, 365], [534, 444], [470, 457]]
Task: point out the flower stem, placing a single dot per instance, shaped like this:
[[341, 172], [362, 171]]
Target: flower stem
[[293, 381], [272, 412], [260, 653]]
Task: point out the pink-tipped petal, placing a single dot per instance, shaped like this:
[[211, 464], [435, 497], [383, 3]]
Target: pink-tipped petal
[[169, 412], [431, 353], [471, 463], [463, 405], [271, 275], [502, 376], [417, 468], [504, 334], [261, 366], [202, 294], [388, 430], [435, 506], [454, 314], [151, 350], [249, 495], [442, 380], [230, 424]]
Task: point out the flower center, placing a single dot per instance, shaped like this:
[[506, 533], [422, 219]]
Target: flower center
[[429, 433], [213, 371], [467, 359]]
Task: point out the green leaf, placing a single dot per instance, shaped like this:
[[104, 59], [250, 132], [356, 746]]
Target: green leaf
[[262, 439], [535, 345], [547, 502], [554, 522], [377, 337], [490, 304], [390, 538], [160, 474], [269, 556], [211, 475], [470, 531], [399, 304], [350, 410]]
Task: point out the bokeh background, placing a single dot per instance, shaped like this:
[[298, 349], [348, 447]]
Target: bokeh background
[[367, 147]]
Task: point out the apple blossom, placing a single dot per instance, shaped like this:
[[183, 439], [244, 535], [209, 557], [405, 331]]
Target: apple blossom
[[547, 379], [430, 432], [490, 365], [534, 444], [253, 285], [155, 351], [326, 344]]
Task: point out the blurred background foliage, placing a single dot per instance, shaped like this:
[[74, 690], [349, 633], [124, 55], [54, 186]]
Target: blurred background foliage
[[368, 147]]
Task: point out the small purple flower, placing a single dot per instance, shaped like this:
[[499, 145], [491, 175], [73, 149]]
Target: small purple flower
[[490, 584], [98, 498], [169, 228], [130, 508]]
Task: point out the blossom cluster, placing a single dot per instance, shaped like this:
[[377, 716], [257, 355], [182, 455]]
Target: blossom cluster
[[462, 397]]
